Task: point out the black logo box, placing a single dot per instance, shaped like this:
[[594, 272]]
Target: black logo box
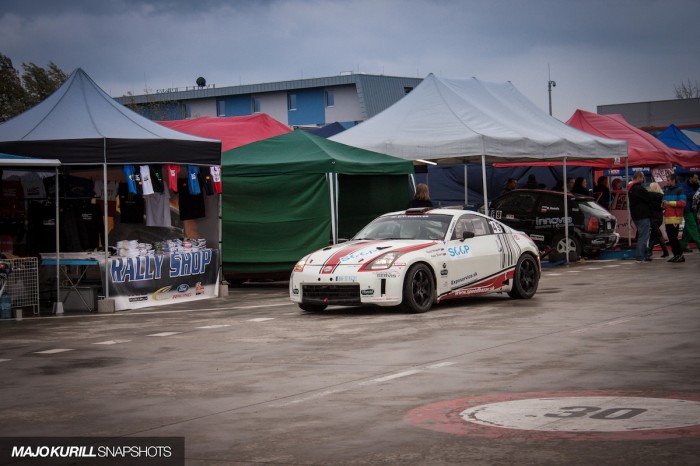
[[93, 451]]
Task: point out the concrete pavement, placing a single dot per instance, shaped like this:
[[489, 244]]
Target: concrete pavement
[[249, 379]]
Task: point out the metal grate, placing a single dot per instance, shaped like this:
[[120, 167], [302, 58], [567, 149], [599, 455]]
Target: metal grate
[[331, 294], [23, 283]]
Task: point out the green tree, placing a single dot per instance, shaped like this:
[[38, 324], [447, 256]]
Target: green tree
[[12, 94], [18, 94], [39, 83]]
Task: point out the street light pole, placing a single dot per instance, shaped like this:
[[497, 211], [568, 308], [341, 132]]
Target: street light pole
[[550, 85]]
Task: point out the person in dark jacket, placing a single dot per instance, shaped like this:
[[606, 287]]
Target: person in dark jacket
[[657, 219], [581, 187], [421, 198], [601, 192], [690, 231], [640, 209], [674, 203]]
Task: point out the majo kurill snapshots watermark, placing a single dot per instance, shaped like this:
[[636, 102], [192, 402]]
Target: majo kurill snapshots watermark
[[132, 451]]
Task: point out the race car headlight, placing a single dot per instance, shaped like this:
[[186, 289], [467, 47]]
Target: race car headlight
[[299, 267], [383, 262]]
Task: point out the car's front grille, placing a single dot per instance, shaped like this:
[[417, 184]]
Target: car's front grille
[[331, 294]]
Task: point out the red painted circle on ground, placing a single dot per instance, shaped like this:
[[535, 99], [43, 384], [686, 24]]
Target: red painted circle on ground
[[446, 416]]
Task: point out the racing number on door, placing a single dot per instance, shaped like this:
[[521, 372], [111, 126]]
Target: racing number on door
[[607, 414]]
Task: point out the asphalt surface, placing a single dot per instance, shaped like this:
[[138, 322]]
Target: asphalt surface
[[251, 380]]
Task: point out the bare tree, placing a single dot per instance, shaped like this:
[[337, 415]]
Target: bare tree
[[687, 90]]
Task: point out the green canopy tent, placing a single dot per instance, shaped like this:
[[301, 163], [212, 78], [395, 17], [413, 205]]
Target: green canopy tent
[[288, 195]]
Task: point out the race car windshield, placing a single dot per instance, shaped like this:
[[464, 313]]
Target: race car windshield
[[423, 227]]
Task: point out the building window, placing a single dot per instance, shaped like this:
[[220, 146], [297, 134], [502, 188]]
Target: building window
[[330, 99], [220, 108], [256, 104], [291, 101], [407, 89]]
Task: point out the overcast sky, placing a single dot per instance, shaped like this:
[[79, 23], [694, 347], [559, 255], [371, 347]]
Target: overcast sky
[[599, 52]]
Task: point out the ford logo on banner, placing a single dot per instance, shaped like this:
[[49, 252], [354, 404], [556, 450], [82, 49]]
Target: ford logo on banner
[[182, 288]]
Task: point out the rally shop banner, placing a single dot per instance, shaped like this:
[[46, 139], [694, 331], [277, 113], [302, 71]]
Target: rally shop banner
[[143, 281]]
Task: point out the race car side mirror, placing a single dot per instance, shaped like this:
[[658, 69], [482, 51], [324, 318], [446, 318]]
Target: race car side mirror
[[467, 235]]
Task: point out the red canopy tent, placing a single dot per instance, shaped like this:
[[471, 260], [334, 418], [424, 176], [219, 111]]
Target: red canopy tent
[[233, 131], [643, 149]]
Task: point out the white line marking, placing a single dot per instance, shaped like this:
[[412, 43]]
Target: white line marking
[[393, 376], [5, 360], [601, 325], [260, 319], [441, 364], [163, 334], [594, 268], [574, 271], [111, 342], [552, 274], [54, 351], [216, 326], [611, 266]]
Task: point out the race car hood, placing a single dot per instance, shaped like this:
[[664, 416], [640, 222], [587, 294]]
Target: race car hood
[[360, 252]]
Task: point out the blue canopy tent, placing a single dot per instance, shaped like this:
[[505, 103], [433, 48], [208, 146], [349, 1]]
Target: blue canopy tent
[[674, 137]]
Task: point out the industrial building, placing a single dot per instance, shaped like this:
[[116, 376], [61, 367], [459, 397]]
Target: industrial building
[[348, 98]]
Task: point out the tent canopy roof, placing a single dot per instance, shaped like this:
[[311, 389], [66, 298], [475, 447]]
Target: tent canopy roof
[[80, 123], [644, 149], [677, 139], [301, 152], [467, 118], [233, 131]]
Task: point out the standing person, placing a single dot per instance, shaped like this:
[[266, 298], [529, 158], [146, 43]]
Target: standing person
[[531, 182], [581, 187], [640, 208], [690, 231], [511, 184], [422, 197], [657, 219], [601, 192], [674, 203]]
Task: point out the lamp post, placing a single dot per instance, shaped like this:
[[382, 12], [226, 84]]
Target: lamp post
[[550, 85]]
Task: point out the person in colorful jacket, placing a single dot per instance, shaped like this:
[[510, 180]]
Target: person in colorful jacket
[[674, 202], [690, 231]]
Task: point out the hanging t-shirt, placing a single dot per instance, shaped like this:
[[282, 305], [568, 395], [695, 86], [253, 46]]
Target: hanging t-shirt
[[112, 187], [157, 178], [215, 172], [146, 185], [33, 186], [191, 205], [193, 180], [171, 172], [132, 178], [130, 205], [158, 209], [206, 182]]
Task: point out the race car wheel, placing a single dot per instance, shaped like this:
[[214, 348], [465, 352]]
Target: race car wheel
[[526, 278], [559, 248], [312, 307], [418, 289]]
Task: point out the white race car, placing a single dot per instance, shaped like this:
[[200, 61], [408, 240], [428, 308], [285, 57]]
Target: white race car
[[418, 257]]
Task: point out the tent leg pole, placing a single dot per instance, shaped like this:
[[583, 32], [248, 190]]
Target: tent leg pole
[[58, 305], [483, 177], [466, 186], [566, 212], [629, 215]]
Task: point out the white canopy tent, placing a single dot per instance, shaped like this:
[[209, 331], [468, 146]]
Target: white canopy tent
[[469, 120]]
